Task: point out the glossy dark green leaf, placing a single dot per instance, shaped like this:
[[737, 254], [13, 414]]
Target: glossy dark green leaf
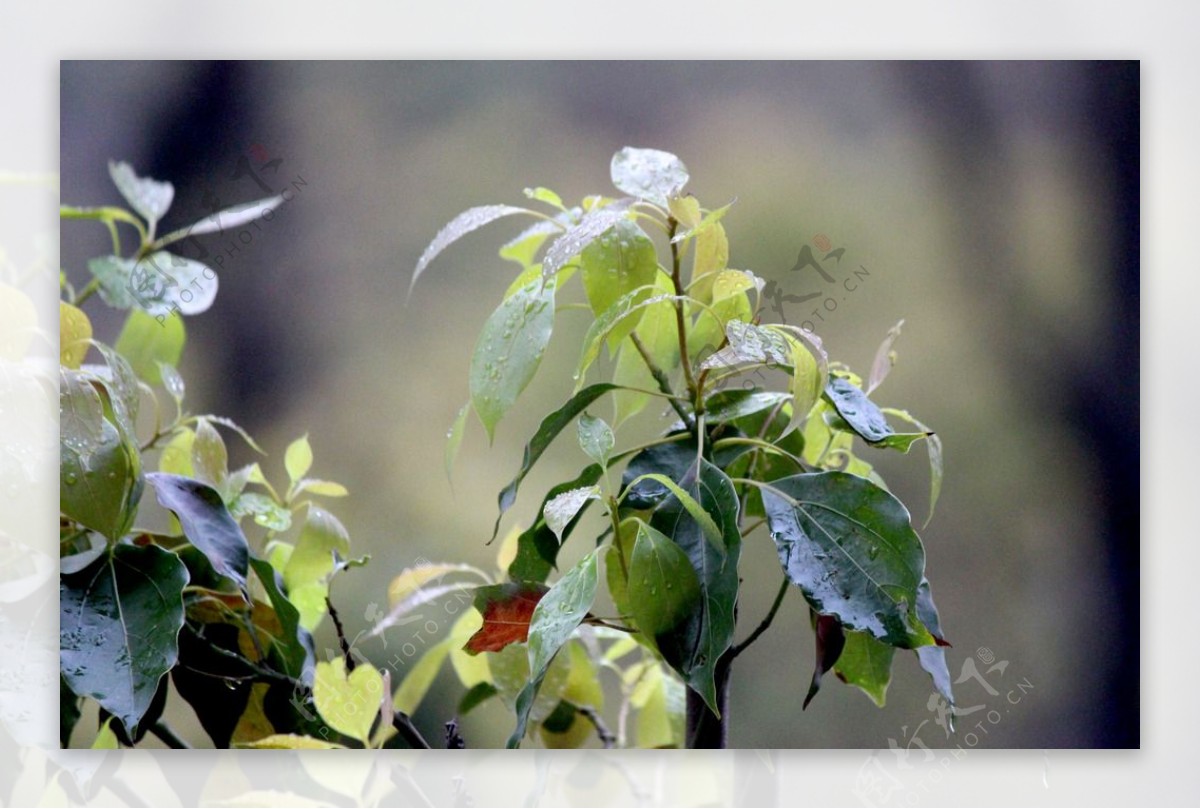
[[850, 547], [865, 418], [731, 405], [537, 546], [830, 641], [100, 480], [672, 459], [557, 615], [206, 523], [866, 663], [694, 647], [214, 684], [648, 174], [294, 651], [663, 590], [119, 626], [933, 658], [547, 431], [476, 695], [621, 260], [509, 350], [68, 712]]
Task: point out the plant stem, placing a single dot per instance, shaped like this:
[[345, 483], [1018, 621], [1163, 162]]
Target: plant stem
[[605, 735], [680, 320], [664, 384], [408, 731], [766, 622], [86, 292], [163, 731]]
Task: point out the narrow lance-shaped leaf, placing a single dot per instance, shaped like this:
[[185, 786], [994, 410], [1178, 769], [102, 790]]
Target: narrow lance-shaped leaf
[[467, 221], [119, 628], [547, 431], [850, 547], [934, 445], [454, 437], [232, 217], [624, 310], [556, 616], [509, 351], [296, 649], [933, 658], [206, 523], [885, 358]]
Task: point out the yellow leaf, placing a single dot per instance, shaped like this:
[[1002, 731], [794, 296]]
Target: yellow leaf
[[350, 702], [290, 741], [74, 331], [105, 739], [298, 458]]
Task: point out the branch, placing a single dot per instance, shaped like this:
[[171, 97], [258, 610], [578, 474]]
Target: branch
[[741, 647], [681, 326], [341, 633], [163, 731], [605, 735], [408, 731], [664, 384]]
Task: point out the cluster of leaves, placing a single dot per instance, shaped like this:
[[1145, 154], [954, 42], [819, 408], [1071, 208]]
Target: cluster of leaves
[[679, 330], [217, 581]]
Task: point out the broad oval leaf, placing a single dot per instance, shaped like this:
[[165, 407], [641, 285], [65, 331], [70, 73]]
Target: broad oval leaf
[[306, 575], [864, 416], [537, 546], [298, 458], [74, 335], [467, 221], [695, 646], [206, 523], [150, 198], [595, 438], [507, 611], [119, 628], [850, 547], [866, 663], [145, 343], [648, 174], [509, 351], [663, 589], [619, 261], [348, 701]]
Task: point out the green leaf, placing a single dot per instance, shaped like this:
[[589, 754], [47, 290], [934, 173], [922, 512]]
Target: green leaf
[[106, 739], [122, 387], [298, 458], [348, 702], [74, 335], [563, 508], [933, 658], [118, 628], [934, 445], [289, 741], [648, 174], [295, 648], [595, 438], [867, 664], [556, 616], [850, 547], [663, 589], [750, 344], [525, 246], [710, 220], [659, 335], [537, 547], [545, 195], [547, 431], [459, 226], [730, 405], [862, 415], [619, 261], [211, 681], [590, 227], [145, 342], [206, 523], [210, 460], [420, 677], [661, 701], [147, 196], [694, 647], [625, 310], [885, 358], [307, 573], [172, 381], [454, 437], [712, 256], [100, 480], [162, 283], [68, 713], [509, 350], [265, 510], [712, 532]]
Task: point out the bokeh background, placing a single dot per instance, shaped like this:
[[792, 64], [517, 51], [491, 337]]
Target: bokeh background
[[995, 206]]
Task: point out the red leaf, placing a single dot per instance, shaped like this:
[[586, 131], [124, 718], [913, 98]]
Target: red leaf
[[830, 642], [507, 610]]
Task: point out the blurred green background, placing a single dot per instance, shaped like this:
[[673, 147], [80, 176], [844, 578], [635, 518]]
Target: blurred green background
[[994, 205]]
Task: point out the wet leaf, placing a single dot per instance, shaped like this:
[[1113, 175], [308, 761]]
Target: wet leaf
[[206, 523], [934, 445], [619, 261], [294, 647], [648, 174], [118, 628], [865, 418], [454, 437], [74, 335], [933, 658], [210, 460], [850, 547], [211, 682], [595, 438], [563, 508], [625, 311], [537, 546], [459, 226], [663, 590], [507, 610], [867, 664], [557, 614], [232, 217], [150, 198], [589, 228], [509, 350]]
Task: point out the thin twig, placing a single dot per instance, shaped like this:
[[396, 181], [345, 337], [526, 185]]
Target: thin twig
[[408, 731], [341, 633], [260, 672], [163, 731], [605, 735], [680, 323], [664, 383], [741, 647]]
